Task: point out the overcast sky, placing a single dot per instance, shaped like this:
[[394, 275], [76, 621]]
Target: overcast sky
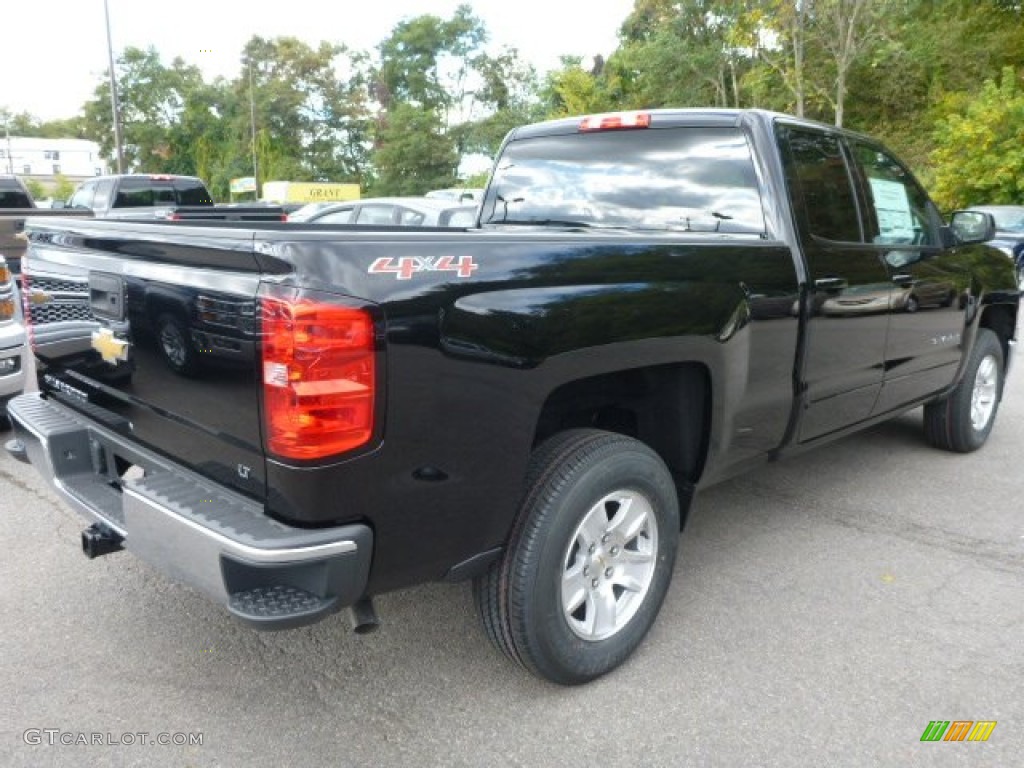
[[56, 50]]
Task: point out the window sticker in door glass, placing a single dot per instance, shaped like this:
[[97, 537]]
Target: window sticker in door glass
[[895, 222]]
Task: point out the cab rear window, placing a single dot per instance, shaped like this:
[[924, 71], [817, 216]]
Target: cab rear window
[[142, 193], [689, 179], [12, 195]]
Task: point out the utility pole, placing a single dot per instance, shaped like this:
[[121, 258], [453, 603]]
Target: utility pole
[[252, 125], [115, 111], [10, 156]]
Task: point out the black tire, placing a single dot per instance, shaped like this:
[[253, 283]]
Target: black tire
[[962, 421], [175, 344], [579, 479], [912, 304]]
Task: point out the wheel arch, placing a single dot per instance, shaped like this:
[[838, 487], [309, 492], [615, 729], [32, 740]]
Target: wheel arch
[[668, 407], [1001, 319]]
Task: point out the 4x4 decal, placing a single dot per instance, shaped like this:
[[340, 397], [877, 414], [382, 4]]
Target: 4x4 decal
[[405, 267]]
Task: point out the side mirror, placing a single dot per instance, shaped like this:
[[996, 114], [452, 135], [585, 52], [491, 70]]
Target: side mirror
[[972, 227]]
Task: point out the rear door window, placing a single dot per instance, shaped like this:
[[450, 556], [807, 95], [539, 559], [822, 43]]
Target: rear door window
[[343, 216], [821, 185], [407, 217], [376, 214]]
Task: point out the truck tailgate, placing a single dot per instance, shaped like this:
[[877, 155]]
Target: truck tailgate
[[150, 332]]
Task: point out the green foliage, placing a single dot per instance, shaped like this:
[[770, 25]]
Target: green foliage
[[979, 152], [35, 188], [415, 154], [24, 124], [477, 180], [403, 117], [425, 60], [62, 187]]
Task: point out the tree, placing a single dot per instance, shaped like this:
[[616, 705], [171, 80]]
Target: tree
[[62, 188], [504, 96], [311, 125], [426, 61], [846, 29], [414, 154], [979, 152], [441, 97], [152, 98], [35, 188], [683, 53], [573, 90], [784, 27]]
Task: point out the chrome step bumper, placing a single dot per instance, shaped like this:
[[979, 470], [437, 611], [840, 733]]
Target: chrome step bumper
[[195, 531]]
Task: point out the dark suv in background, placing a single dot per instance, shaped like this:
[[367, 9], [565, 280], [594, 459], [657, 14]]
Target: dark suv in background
[[1009, 233], [13, 193]]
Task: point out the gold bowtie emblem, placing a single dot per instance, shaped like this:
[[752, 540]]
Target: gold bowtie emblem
[[111, 348]]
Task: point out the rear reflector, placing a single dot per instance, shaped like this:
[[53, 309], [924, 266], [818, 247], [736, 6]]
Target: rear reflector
[[615, 120], [318, 377]]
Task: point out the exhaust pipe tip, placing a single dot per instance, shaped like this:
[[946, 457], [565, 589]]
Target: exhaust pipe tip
[[363, 617]]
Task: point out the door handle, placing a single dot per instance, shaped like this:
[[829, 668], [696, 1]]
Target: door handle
[[831, 283]]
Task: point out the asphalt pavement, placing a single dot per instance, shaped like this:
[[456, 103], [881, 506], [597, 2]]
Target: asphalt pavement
[[824, 610]]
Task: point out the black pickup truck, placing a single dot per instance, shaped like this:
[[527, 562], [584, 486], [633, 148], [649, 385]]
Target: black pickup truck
[[650, 303]]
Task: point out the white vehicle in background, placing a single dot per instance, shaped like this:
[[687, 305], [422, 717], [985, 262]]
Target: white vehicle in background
[[460, 194], [12, 341], [397, 212]]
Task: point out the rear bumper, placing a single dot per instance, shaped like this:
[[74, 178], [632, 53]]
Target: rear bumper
[[268, 574]]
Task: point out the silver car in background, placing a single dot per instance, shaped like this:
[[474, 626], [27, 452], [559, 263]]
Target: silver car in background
[[396, 212]]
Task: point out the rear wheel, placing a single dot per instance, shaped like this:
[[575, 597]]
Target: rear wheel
[[589, 560], [962, 421]]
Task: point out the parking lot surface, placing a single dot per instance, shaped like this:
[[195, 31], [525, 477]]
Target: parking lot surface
[[824, 610]]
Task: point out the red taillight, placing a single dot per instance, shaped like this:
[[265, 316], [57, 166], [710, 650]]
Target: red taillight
[[615, 120], [318, 377]]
